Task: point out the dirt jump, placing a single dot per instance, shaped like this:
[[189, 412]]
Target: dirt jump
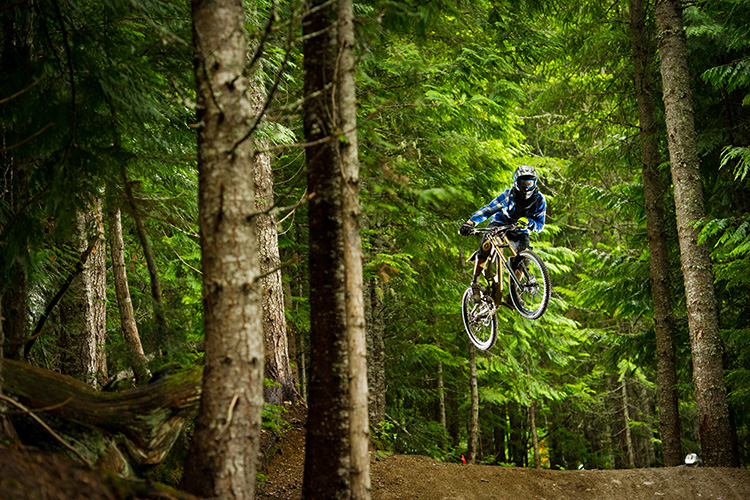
[[402, 477]]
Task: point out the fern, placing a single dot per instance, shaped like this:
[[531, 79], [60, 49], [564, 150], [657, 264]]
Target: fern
[[742, 156]]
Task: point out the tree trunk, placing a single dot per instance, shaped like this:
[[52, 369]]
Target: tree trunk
[[516, 446], [327, 451], [7, 433], [359, 424], [626, 422], [500, 435], [441, 394], [124, 304], [376, 355], [14, 300], [14, 292], [534, 437], [223, 455], [718, 436], [83, 308], [277, 368], [150, 417], [148, 254], [669, 418], [474, 425]]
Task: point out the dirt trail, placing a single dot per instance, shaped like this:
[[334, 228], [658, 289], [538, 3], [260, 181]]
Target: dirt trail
[[411, 477], [399, 477]]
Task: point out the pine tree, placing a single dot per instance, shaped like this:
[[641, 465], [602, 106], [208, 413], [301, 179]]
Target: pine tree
[[718, 436], [223, 454]]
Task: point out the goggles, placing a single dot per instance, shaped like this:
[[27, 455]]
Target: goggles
[[526, 184]]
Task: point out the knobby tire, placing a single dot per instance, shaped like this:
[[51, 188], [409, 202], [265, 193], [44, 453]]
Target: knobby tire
[[480, 320], [536, 286]]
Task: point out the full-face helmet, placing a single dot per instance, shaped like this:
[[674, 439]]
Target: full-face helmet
[[524, 181]]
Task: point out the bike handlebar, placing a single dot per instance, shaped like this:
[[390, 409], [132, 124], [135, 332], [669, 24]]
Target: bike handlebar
[[494, 229]]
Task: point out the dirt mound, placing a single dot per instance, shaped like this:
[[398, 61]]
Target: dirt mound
[[399, 477], [407, 477]]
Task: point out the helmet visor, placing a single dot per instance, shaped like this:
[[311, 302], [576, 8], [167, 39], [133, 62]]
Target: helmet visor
[[526, 184]]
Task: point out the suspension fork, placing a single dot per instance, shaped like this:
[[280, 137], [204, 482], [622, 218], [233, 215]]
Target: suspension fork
[[505, 262]]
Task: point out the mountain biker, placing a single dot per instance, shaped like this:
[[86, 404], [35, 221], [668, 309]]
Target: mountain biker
[[522, 204]]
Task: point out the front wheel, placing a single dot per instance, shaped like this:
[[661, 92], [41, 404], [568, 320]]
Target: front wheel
[[480, 320], [531, 298]]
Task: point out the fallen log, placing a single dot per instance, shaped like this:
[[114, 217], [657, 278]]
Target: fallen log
[[150, 418]]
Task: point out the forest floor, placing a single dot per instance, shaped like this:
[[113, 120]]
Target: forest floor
[[27, 474], [402, 477]]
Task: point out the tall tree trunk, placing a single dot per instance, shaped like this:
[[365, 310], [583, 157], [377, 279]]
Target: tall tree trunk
[[441, 394], [277, 368], [223, 454], [156, 295], [7, 432], [83, 308], [516, 446], [500, 435], [359, 424], [474, 425], [327, 450], [626, 422], [124, 304], [534, 437], [718, 436], [669, 418], [14, 300], [376, 355]]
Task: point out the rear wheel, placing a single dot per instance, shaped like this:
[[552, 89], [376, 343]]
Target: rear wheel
[[480, 320], [531, 298]]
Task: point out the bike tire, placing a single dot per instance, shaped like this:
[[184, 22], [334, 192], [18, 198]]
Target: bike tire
[[532, 299], [480, 320]]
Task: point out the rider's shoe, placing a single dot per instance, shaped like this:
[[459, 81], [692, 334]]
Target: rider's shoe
[[507, 302], [515, 265]]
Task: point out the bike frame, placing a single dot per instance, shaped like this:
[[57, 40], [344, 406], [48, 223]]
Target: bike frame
[[498, 238]]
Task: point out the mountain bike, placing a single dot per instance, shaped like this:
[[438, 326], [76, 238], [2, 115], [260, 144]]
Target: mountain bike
[[529, 286]]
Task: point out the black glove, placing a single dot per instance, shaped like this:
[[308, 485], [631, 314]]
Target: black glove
[[466, 228]]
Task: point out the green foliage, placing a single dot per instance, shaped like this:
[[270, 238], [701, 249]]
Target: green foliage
[[452, 96]]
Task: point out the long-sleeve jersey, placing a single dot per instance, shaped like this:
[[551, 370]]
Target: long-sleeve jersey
[[503, 210]]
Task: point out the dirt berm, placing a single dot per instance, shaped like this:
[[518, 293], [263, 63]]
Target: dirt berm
[[411, 477], [402, 477]]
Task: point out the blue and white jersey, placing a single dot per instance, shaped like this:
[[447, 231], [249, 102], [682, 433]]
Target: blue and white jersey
[[503, 210]]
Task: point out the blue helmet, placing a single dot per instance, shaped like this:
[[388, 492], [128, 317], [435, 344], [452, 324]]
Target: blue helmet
[[524, 181]]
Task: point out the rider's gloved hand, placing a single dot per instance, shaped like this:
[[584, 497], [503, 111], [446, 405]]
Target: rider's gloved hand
[[466, 228], [522, 223]]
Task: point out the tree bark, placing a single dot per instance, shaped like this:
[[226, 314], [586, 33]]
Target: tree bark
[[148, 254], [223, 456], [375, 355], [124, 303], [534, 437], [82, 309], [471, 452], [626, 421], [359, 428], [669, 418], [441, 394], [327, 472], [14, 292], [718, 436], [15, 300], [150, 417], [516, 445], [7, 432], [277, 366], [500, 435]]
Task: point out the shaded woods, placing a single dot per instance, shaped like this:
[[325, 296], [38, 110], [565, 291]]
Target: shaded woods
[[212, 214]]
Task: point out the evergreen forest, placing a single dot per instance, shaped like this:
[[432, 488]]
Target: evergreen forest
[[232, 208]]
